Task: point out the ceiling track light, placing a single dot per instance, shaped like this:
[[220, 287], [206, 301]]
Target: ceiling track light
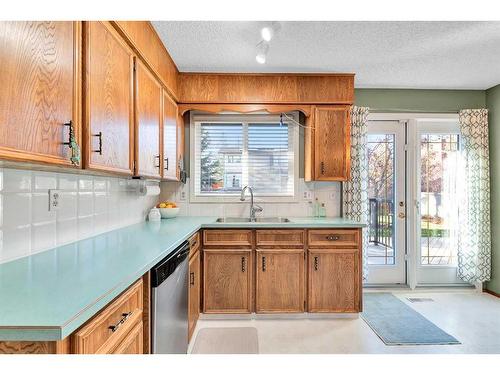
[[262, 49], [268, 32]]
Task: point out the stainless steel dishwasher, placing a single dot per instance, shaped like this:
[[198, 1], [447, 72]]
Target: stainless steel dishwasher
[[169, 303]]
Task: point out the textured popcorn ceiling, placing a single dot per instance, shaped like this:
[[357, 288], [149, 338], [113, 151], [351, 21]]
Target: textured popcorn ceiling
[[441, 55]]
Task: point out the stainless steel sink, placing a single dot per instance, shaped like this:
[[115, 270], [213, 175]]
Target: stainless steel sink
[[257, 220]]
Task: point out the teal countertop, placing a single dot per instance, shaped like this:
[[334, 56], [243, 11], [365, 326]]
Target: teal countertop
[[47, 296]]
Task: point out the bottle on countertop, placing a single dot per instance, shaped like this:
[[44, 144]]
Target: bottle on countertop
[[316, 208], [322, 210]]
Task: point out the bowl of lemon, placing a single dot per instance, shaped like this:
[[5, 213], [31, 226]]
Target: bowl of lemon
[[168, 210]]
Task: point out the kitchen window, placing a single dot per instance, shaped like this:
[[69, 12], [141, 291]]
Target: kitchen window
[[229, 152]]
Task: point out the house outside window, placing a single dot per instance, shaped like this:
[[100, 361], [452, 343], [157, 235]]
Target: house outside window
[[229, 152]]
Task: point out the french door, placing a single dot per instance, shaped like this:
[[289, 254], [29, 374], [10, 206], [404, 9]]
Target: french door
[[386, 194], [413, 190]]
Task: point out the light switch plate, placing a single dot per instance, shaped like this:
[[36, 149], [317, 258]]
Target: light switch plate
[[54, 199], [183, 195]]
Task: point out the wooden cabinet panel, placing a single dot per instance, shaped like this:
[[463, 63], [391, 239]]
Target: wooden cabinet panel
[[170, 129], [334, 280], [276, 237], [103, 333], [194, 293], [334, 237], [40, 90], [279, 280], [108, 116], [133, 342], [227, 281], [266, 88], [227, 237], [146, 41], [332, 143], [328, 144], [148, 94]]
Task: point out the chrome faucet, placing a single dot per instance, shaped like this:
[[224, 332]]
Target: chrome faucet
[[254, 208]]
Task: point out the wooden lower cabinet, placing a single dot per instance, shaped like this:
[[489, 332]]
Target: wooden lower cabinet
[[334, 280], [194, 292], [227, 280], [132, 343], [279, 280]]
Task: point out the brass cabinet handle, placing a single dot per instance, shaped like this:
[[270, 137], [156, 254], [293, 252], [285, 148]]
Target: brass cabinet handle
[[99, 150], [332, 238], [191, 278], [263, 264], [316, 263], [243, 261], [125, 316]]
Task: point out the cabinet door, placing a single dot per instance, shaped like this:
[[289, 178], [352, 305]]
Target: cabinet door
[[40, 90], [169, 138], [148, 114], [132, 343], [334, 280], [332, 143], [109, 91], [227, 280], [194, 292], [280, 280]]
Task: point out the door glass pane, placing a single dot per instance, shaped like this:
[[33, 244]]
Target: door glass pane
[[381, 186], [438, 198]]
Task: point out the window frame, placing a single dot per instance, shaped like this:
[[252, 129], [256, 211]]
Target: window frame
[[197, 117]]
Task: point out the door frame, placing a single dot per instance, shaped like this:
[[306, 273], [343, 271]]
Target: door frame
[[412, 118], [395, 274]]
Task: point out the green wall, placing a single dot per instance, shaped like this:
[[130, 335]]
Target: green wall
[[493, 105], [399, 100]]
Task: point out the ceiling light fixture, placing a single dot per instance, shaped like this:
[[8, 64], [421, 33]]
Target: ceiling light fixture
[[268, 32], [262, 49]]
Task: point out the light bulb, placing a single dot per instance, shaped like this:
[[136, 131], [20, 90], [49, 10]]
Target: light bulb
[[267, 33], [261, 58]]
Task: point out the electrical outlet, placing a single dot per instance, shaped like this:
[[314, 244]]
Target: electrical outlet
[[307, 195], [183, 195], [54, 199]]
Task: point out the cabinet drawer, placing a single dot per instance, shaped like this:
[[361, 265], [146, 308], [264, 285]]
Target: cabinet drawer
[[227, 237], [132, 343], [333, 237], [287, 238], [194, 244], [110, 327]]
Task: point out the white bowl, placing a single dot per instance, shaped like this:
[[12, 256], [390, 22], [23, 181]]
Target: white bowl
[[168, 213]]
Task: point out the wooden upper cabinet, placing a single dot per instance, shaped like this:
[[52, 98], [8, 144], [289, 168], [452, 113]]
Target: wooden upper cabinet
[[279, 280], [334, 280], [108, 93], [148, 116], [170, 138], [40, 90], [143, 37], [328, 144]]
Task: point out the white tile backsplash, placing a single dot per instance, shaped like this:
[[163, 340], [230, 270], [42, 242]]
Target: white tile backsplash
[[89, 205], [326, 192]]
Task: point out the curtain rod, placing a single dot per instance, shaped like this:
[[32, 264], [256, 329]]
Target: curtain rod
[[403, 110]]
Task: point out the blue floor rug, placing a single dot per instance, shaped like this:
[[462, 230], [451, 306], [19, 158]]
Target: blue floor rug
[[396, 323]]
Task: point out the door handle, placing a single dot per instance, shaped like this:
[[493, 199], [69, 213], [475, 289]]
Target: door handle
[[316, 263], [263, 264], [99, 136], [243, 264], [166, 164]]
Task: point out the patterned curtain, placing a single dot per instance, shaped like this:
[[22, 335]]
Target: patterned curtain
[[474, 238], [355, 191]]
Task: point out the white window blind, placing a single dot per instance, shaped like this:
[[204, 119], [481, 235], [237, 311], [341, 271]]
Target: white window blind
[[258, 151]]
